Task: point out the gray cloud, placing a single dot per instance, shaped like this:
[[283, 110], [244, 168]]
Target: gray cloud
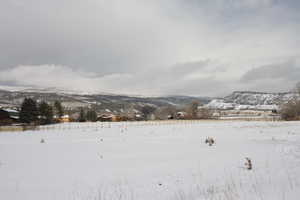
[[193, 78], [173, 46], [273, 77], [288, 71]]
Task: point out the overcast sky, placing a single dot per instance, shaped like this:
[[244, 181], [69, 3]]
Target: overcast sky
[[151, 47]]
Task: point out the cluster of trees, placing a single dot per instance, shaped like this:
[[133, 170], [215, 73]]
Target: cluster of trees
[[89, 115], [190, 111], [291, 109], [42, 113], [147, 111], [196, 111]]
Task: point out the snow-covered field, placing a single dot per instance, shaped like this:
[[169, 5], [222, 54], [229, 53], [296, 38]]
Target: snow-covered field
[[152, 161]]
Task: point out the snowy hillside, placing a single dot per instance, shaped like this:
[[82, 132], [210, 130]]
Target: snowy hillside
[[221, 104], [13, 96], [146, 161], [257, 98], [250, 101]]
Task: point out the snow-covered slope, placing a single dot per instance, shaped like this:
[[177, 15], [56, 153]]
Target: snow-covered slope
[[257, 98], [237, 100], [222, 105], [250, 101]]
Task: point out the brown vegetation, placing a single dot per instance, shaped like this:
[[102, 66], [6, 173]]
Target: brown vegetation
[[291, 109]]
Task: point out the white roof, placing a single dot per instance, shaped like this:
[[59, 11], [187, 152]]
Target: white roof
[[10, 110]]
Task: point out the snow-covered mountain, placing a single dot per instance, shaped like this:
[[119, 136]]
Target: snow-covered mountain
[[220, 104], [258, 98], [244, 100], [240, 100]]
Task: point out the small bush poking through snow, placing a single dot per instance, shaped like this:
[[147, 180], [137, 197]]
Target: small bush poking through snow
[[210, 141], [248, 163]]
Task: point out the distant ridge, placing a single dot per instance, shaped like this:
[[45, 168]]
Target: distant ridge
[[254, 92], [112, 102], [258, 98], [12, 97]]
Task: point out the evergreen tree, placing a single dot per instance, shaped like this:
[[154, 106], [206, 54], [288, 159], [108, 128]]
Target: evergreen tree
[[59, 111], [46, 113], [91, 115], [29, 111], [82, 116], [147, 110]]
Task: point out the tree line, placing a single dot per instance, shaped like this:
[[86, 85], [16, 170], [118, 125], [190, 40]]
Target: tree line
[[39, 113], [43, 113]]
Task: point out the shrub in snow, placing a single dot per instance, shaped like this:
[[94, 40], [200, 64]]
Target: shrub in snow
[[210, 141], [291, 110], [248, 163]]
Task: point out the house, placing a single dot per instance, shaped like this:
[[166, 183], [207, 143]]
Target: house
[[110, 118], [105, 118], [74, 116], [8, 116], [181, 115], [64, 118], [138, 117], [170, 117], [4, 118]]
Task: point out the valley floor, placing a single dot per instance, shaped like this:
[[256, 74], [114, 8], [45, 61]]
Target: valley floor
[[152, 161]]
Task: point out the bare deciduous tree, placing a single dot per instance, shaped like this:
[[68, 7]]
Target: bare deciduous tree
[[291, 109], [192, 110], [204, 113], [164, 112]]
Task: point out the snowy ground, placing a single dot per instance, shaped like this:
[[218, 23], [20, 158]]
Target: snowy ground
[[152, 161]]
